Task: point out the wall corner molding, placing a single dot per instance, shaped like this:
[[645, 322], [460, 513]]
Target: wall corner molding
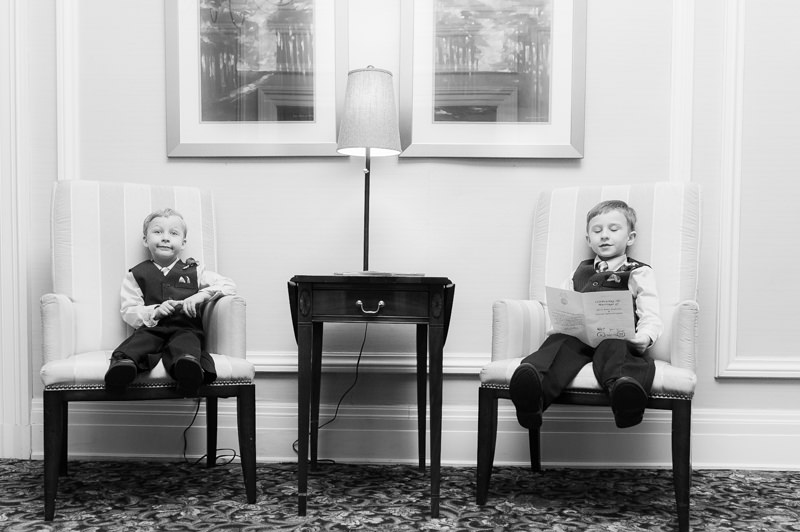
[[15, 404], [733, 77]]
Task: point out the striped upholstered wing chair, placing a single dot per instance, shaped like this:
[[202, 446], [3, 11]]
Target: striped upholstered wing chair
[[668, 227], [96, 237]]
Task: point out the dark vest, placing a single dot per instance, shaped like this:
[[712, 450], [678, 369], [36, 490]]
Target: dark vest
[[179, 283], [586, 279]]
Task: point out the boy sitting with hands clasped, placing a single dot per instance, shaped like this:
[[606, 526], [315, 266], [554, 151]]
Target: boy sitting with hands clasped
[[620, 366], [162, 298]]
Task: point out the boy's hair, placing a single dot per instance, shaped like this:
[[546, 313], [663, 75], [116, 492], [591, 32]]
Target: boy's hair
[[163, 213], [613, 205]]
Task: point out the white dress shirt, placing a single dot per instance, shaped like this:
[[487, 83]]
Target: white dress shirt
[[136, 314]]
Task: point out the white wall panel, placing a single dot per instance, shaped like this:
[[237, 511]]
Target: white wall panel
[[758, 294]]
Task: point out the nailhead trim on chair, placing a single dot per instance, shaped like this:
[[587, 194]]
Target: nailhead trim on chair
[[594, 392], [63, 387]]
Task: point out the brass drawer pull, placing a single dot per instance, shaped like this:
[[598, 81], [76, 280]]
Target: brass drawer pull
[[361, 306]]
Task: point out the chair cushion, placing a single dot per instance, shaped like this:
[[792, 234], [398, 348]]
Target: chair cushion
[[669, 380], [89, 369]]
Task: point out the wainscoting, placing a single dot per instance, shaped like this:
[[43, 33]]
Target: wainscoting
[[571, 437]]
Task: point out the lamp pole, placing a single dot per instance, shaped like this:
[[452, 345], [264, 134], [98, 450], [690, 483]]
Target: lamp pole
[[369, 121], [366, 213]]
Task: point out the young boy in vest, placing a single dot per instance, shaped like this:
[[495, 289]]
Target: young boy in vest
[[162, 299], [619, 365]]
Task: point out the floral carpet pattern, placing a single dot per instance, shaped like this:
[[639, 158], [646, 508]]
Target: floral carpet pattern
[[154, 496]]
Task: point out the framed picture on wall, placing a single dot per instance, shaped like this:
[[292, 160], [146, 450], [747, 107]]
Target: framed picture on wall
[[493, 78], [254, 77]]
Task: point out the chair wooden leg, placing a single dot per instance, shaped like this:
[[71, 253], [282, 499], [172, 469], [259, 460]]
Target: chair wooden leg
[[63, 464], [212, 404], [535, 446], [681, 459], [246, 421], [54, 414], [487, 438]]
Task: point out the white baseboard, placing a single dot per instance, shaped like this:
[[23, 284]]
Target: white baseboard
[[272, 362], [571, 437], [15, 441]]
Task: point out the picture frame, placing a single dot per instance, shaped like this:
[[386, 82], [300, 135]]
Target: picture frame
[[560, 136], [190, 136]]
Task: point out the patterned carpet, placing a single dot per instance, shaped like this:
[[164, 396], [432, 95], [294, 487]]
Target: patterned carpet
[[145, 496]]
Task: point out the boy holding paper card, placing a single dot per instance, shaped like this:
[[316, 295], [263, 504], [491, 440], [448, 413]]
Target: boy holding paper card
[[619, 365]]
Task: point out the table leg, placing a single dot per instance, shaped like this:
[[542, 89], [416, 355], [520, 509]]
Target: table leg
[[422, 385], [436, 340], [316, 381], [304, 342]]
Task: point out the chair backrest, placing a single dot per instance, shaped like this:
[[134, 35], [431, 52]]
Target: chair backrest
[[97, 236], [667, 239]]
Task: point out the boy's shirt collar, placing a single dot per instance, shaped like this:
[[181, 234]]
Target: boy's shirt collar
[[613, 264], [166, 269]]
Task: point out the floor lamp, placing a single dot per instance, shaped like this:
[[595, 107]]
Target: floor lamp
[[369, 126]]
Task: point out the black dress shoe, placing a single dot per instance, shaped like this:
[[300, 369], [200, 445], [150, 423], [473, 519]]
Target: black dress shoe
[[525, 389], [189, 374], [121, 372], [628, 401]]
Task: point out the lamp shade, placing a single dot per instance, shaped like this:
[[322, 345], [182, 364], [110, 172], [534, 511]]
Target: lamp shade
[[370, 116]]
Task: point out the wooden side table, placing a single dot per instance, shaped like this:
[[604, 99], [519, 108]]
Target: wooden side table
[[420, 300]]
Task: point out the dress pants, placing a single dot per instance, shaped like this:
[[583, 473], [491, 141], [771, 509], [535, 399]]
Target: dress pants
[[147, 345], [561, 357]]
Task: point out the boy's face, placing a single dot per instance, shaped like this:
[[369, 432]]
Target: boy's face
[[608, 235], [165, 238]]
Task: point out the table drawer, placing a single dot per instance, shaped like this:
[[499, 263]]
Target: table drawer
[[359, 303]]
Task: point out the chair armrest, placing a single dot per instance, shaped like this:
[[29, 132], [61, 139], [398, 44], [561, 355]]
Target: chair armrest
[[225, 324], [683, 351], [58, 327], [519, 327]]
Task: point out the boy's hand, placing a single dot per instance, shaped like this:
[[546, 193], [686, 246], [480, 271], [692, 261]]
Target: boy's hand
[[166, 308], [192, 304], [641, 342]]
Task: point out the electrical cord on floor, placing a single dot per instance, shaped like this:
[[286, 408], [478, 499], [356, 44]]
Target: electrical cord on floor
[[353, 385], [231, 455]]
